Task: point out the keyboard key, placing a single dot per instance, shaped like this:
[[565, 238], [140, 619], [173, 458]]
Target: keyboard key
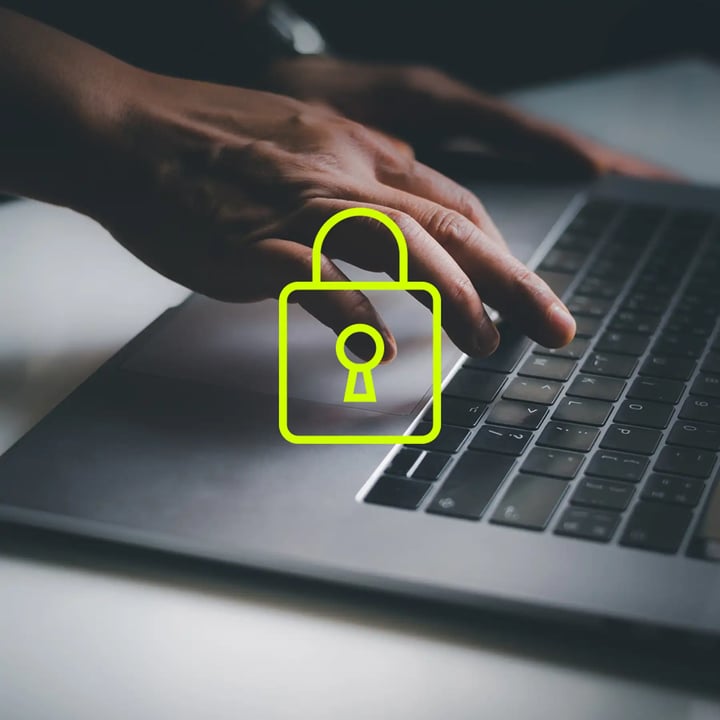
[[685, 461], [516, 414], [661, 290], [595, 216], [475, 385], [563, 261], [581, 410], [656, 527], [631, 439], [493, 438], [559, 282], [674, 490], [635, 322], [576, 241], [620, 366], [398, 492], [690, 324], [511, 348], [549, 368], [703, 409], [530, 502], [595, 525], [690, 224], [403, 461], [644, 413], [711, 363], [695, 434], [587, 326], [623, 343], [458, 411], [641, 222], [449, 440], [593, 306], [708, 385], [533, 390], [431, 466], [566, 436], [596, 387], [600, 287], [556, 463], [673, 368], [657, 389], [679, 344], [574, 350], [471, 485], [606, 267], [617, 466], [605, 494]]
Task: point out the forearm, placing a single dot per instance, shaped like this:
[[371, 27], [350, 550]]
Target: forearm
[[59, 99]]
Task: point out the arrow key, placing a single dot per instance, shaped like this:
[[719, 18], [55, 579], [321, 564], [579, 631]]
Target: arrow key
[[517, 414], [534, 390]]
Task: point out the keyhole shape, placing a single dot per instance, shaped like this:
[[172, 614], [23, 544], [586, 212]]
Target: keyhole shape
[[357, 368]]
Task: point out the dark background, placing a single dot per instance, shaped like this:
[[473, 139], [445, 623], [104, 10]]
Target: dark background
[[504, 43], [496, 44]]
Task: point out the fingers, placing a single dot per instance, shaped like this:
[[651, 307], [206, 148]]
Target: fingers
[[503, 281], [367, 243], [427, 183], [516, 132], [274, 263]]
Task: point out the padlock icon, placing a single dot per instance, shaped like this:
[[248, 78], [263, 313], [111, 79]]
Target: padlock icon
[[358, 370]]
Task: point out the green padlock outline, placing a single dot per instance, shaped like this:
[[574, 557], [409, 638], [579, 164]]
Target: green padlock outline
[[402, 283]]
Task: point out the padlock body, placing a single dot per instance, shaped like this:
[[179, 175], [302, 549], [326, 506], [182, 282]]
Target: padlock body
[[365, 286]]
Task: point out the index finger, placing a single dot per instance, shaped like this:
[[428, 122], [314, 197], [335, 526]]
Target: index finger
[[504, 282]]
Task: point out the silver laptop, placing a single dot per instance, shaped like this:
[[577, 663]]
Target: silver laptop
[[580, 482]]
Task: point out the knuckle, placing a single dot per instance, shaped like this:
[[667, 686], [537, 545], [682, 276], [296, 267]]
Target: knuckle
[[327, 268], [462, 291], [318, 185], [356, 132], [525, 283], [470, 206], [450, 225], [395, 162], [408, 226], [359, 306]]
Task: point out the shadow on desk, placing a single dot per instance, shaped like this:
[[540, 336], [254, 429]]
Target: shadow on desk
[[614, 650]]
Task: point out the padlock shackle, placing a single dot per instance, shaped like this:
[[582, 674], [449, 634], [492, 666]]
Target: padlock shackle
[[338, 217]]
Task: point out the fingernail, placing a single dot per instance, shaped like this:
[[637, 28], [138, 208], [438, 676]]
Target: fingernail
[[390, 347], [561, 318]]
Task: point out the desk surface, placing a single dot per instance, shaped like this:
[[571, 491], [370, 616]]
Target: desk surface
[[91, 632]]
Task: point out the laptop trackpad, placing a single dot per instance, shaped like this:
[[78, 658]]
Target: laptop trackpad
[[236, 346]]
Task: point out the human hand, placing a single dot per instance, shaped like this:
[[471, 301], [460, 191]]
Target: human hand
[[425, 106], [223, 189]]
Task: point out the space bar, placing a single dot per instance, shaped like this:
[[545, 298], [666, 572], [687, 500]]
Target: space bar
[[471, 485]]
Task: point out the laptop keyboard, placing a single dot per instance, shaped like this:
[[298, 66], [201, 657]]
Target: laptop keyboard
[[613, 438]]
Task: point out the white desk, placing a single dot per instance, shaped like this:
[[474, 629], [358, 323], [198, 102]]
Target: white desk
[[94, 632]]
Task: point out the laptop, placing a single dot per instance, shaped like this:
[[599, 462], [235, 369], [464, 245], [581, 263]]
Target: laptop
[[579, 483]]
